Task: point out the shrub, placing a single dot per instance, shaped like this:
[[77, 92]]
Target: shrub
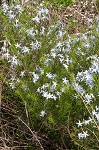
[[55, 74]]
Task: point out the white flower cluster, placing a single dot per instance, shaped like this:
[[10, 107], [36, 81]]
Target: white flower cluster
[[93, 119], [32, 32], [42, 14], [95, 113], [35, 45], [87, 75], [13, 60], [11, 11], [48, 91]]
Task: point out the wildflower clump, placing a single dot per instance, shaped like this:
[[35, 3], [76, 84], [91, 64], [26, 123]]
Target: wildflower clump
[[54, 73]]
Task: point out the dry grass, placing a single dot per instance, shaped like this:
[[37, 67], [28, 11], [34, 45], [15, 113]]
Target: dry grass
[[79, 13]]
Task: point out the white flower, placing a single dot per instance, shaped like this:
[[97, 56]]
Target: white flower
[[60, 34], [50, 76], [95, 66], [43, 11], [4, 48], [80, 76], [36, 45], [35, 77], [16, 22], [41, 71], [48, 95], [88, 98], [88, 78], [45, 94], [85, 134], [58, 93], [14, 60], [79, 124], [42, 113], [68, 60], [48, 61], [12, 85], [22, 74], [54, 97], [53, 87], [97, 108], [37, 19], [39, 90], [32, 32], [97, 116], [78, 88], [25, 50], [46, 11], [86, 122], [87, 45], [18, 45], [94, 112], [82, 135], [90, 20], [65, 81], [42, 30], [18, 8], [66, 66], [13, 78], [46, 85], [5, 7], [11, 16], [59, 44], [6, 55], [61, 59], [53, 54]]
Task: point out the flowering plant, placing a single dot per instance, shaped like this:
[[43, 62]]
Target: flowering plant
[[54, 73]]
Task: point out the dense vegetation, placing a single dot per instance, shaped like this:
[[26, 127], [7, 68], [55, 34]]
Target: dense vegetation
[[51, 76]]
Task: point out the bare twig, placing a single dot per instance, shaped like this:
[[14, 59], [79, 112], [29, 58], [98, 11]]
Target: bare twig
[[32, 134]]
